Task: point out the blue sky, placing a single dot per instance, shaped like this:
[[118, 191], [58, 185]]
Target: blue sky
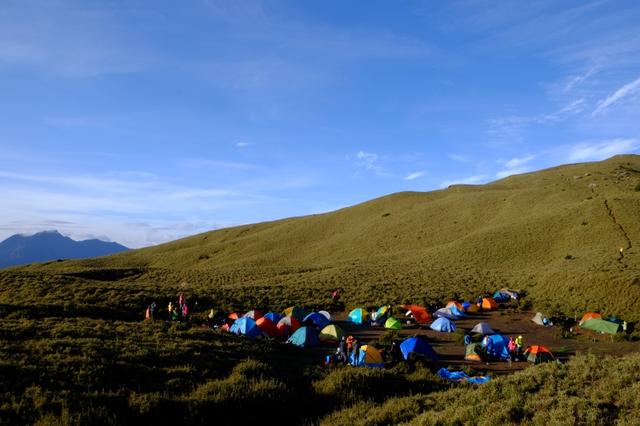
[[146, 121]]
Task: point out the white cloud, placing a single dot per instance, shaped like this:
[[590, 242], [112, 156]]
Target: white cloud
[[413, 176], [242, 144], [367, 157], [370, 161], [602, 150], [469, 180], [219, 164], [516, 162], [628, 89], [509, 172], [460, 158]]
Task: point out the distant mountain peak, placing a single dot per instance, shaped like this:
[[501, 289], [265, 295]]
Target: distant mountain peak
[[50, 245]]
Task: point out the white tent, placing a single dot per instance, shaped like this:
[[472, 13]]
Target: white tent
[[445, 313], [539, 319], [482, 328]]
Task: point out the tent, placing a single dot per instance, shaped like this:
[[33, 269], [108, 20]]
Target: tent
[[482, 328], [445, 313], [498, 296], [368, 356], [499, 347], [538, 354], [540, 319], [392, 324], [245, 326], [455, 311], [587, 316], [316, 319], [488, 303], [514, 294], [472, 308], [443, 325], [233, 316], [304, 336], [381, 312], [358, 316], [287, 325], [454, 303], [472, 352], [274, 317], [253, 314], [267, 326], [420, 313], [325, 314], [419, 346], [331, 333], [465, 305], [600, 325], [295, 311], [614, 319]]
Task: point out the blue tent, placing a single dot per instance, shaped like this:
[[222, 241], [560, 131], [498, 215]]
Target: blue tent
[[274, 317], [466, 305], [317, 319], [368, 356], [444, 325], [499, 347], [358, 316], [455, 311], [304, 336], [501, 297], [418, 346], [245, 326]]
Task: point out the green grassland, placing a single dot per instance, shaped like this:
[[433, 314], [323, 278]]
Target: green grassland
[[73, 348]]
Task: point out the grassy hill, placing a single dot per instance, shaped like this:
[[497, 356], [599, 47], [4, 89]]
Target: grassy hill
[[554, 233]]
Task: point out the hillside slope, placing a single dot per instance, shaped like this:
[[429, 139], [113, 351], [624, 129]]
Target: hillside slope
[[555, 233]]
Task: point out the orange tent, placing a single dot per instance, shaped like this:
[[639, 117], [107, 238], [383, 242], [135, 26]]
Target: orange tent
[[473, 308], [233, 316], [420, 313], [590, 315], [488, 303], [454, 303], [287, 326], [267, 326], [538, 354]]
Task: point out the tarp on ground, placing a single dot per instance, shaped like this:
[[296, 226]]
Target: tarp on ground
[[316, 319], [331, 333], [420, 313], [304, 336], [287, 325], [358, 316], [368, 356], [393, 324], [245, 326], [443, 325], [499, 347], [600, 325], [445, 313], [460, 376], [482, 328], [419, 346], [538, 354]]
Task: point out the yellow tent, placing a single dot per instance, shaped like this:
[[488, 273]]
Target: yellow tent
[[331, 333]]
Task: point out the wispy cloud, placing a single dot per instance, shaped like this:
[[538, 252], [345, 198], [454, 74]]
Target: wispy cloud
[[469, 180], [412, 176], [518, 161], [460, 158], [242, 144], [371, 162], [594, 151], [629, 89], [197, 163]]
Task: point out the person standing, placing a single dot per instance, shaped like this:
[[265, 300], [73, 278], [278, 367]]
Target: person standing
[[356, 352], [519, 344]]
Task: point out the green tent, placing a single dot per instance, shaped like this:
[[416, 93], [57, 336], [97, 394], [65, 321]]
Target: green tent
[[596, 324], [393, 324]]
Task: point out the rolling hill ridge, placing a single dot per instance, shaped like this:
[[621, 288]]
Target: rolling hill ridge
[[554, 233]]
